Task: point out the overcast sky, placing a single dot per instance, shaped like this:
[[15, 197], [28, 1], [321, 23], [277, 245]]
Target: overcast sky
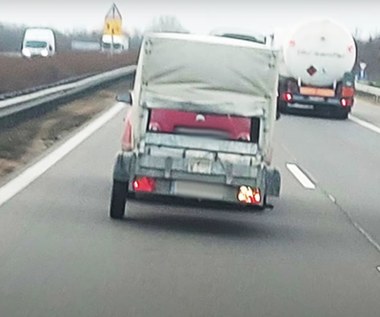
[[198, 16]]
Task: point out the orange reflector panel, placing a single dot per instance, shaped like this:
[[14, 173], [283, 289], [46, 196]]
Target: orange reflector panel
[[314, 91]]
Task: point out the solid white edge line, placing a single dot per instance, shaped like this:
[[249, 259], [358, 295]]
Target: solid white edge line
[[365, 124], [17, 184], [300, 176]]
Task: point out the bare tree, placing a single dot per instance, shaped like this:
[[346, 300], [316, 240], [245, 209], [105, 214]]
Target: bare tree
[[167, 23]]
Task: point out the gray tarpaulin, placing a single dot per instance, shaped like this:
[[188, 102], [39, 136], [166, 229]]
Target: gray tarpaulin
[[233, 75], [206, 74]]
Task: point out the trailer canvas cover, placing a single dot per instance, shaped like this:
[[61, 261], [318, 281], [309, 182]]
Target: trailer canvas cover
[[200, 75], [207, 74], [223, 75]]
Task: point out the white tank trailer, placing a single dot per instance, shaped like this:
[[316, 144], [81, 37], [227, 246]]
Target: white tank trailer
[[317, 59]]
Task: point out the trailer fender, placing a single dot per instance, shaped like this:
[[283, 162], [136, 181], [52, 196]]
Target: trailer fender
[[123, 165], [273, 182]]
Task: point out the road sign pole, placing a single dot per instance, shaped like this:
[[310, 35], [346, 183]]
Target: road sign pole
[[112, 27], [112, 44], [363, 67]]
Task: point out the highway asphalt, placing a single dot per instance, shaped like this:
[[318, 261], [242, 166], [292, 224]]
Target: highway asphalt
[[314, 254], [367, 110]]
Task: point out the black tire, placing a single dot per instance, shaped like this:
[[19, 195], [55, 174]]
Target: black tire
[[282, 106], [118, 199]]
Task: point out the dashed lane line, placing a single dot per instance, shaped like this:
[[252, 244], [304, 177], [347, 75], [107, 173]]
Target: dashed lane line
[[300, 176]]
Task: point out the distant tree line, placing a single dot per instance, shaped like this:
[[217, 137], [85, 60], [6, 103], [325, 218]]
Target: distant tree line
[[11, 38], [369, 52], [166, 23], [11, 35]]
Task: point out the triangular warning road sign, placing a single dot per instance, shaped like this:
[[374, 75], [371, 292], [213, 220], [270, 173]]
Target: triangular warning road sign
[[114, 13]]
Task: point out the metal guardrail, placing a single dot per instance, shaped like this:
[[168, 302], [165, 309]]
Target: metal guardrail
[[368, 90], [13, 106]]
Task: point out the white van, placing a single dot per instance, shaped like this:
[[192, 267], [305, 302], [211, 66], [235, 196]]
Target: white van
[[38, 42], [120, 43]]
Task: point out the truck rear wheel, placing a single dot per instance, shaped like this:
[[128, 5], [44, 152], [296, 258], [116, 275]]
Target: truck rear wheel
[[341, 114], [282, 106], [118, 199]]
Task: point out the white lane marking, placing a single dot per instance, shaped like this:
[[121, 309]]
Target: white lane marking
[[17, 184], [332, 198], [365, 234], [357, 226], [365, 124], [300, 176]]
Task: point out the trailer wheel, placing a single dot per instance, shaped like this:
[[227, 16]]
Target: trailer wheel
[[118, 199]]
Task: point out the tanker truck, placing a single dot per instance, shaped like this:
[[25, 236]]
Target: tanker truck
[[316, 62]]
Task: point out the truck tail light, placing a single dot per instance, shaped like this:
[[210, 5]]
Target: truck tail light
[[348, 91], [249, 195], [144, 184], [346, 102], [287, 96]]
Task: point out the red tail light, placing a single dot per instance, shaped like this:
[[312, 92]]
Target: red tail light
[[144, 184], [249, 195], [287, 96], [348, 91], [346, 102]]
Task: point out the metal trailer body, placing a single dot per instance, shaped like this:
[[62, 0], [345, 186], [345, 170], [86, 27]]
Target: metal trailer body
[[215, 76]]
